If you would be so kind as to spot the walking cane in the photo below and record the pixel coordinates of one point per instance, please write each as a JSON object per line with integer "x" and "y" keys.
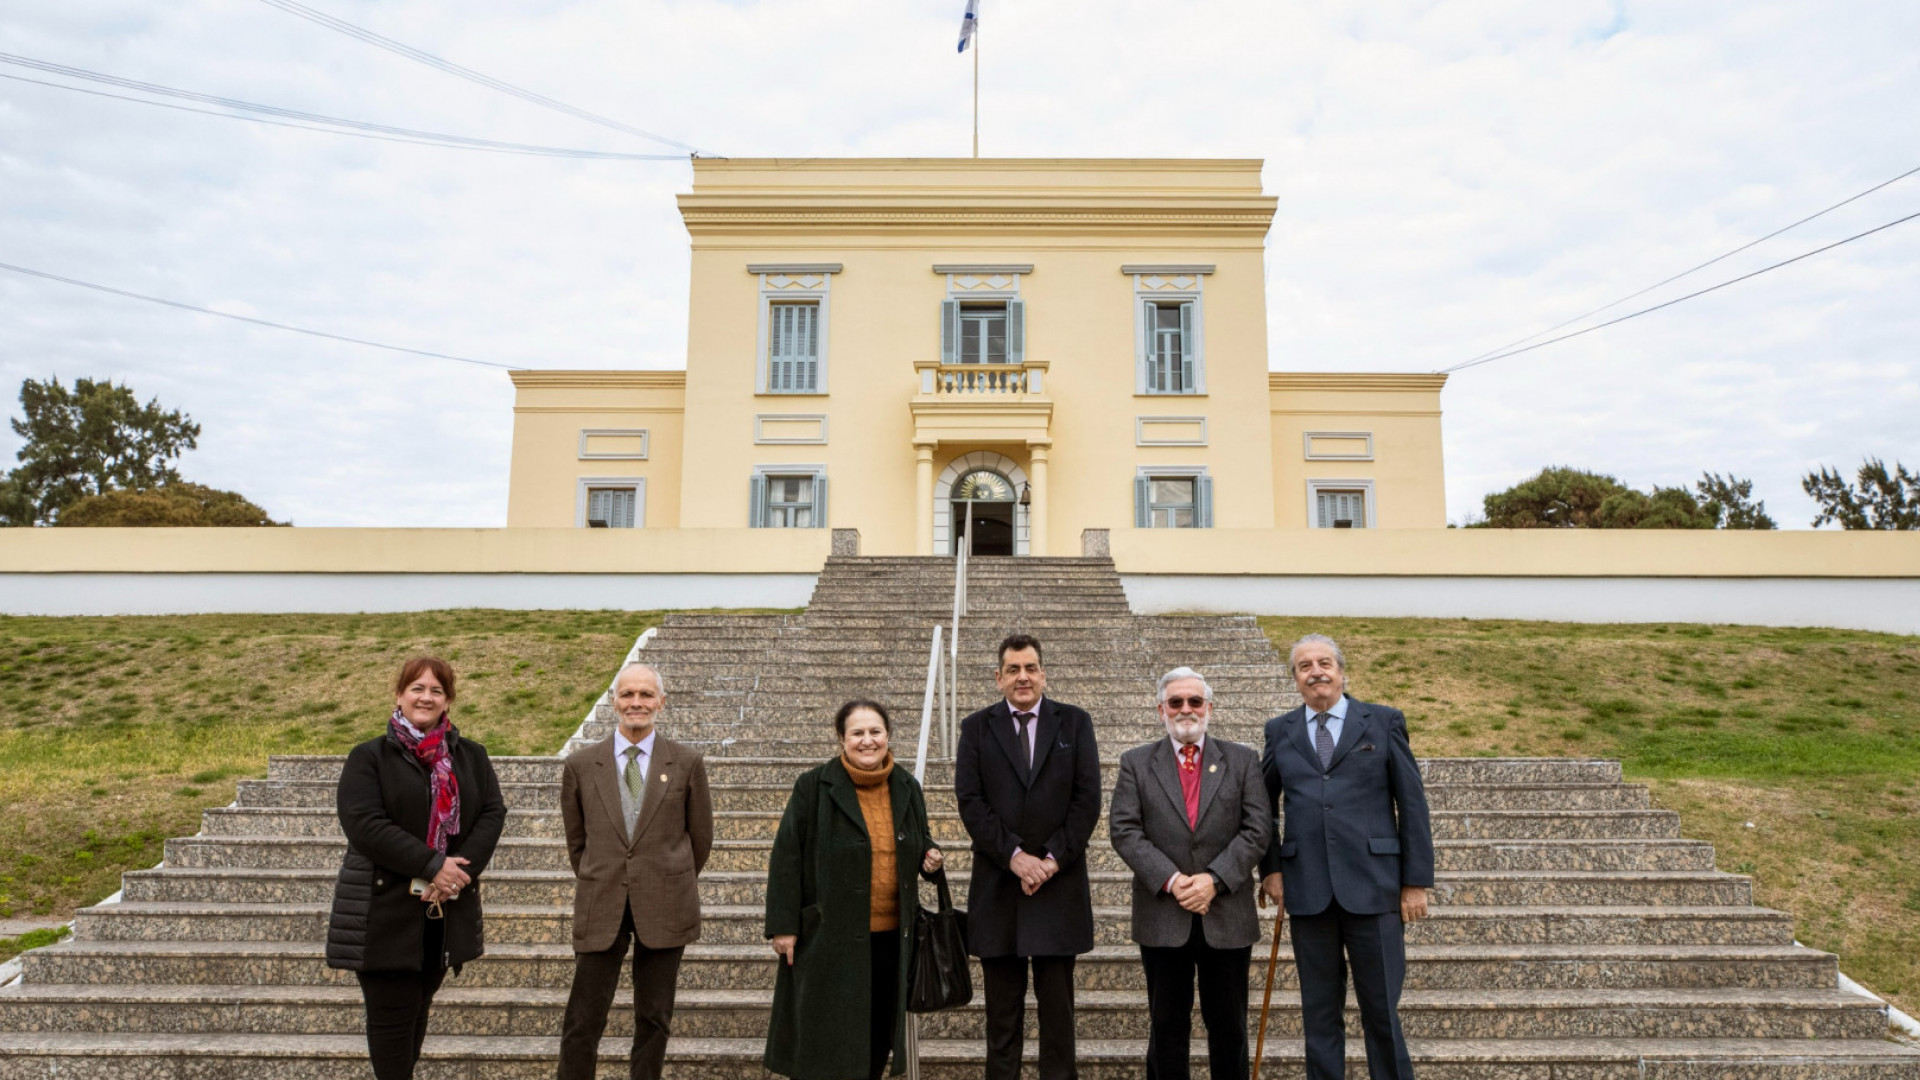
{"x": 1273, "y": 957}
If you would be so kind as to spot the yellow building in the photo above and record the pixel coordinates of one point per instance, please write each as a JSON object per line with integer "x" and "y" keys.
{"x": 1061, "y": 345}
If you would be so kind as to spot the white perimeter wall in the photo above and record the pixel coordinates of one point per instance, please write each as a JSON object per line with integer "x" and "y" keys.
{"x": 1889, "y": 605}
{"x": 191, "y": 593}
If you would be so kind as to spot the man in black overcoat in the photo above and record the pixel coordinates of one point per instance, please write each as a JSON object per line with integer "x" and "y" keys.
{"x": 1353, "y": 859}
{"x": 1027, "y": 778}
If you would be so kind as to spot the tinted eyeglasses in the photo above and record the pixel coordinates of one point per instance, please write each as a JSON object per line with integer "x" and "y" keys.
{"x": 1178, "y": 703}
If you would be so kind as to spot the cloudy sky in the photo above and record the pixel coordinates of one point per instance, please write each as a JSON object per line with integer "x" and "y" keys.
{"x": 1452, "y": 176}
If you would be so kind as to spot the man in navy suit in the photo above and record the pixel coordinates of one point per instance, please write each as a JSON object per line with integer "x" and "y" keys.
{"x": 1352, "y": 860}
{"x": 1026, "y": 776}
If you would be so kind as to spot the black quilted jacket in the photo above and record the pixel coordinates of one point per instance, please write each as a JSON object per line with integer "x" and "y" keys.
{"x": 384, "y": 801}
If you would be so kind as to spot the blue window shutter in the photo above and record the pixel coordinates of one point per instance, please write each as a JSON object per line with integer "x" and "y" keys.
{"x": 820, "y": 502}
{"x": 1016, "y": 331}
{"x": 1143, "y": 347}
{"x": 949, "y": 331}
{"x": 1142, "y": 496}
{"x": 1187, "y": 371}
{"x": 1203, "y": 498}
{"x": 757, "y": 502}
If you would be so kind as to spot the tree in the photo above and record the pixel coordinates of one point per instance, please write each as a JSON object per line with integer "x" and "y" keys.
{"x": 1730, "y": 500}
{"x": 176, "y": 504}
{"x": 1878, "y": 500}
{"x": 1558, "y": 498}
{"x": 1665, "y": 508}
{"x": 92, "y": 439}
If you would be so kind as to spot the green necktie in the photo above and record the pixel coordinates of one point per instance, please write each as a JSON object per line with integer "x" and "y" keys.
{"x": 634, "y": 777}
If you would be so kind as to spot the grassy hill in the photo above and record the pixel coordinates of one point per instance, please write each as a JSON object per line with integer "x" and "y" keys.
{"x": 1795, "y": 752}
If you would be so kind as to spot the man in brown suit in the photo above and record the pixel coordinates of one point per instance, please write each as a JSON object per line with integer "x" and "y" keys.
{"x": 639, "y": 827}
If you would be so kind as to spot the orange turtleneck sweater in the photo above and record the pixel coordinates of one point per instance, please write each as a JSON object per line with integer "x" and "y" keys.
{"x": 876, "y": 805}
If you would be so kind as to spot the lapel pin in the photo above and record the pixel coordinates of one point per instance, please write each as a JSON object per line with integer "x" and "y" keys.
{"x": 1213, "y": 768}
{"x": 663, "y": 778}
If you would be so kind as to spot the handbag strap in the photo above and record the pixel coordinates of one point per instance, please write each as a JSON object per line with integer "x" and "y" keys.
{"x": 940, "y": 883}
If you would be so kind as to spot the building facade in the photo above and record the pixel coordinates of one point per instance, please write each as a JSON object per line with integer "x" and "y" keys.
{"x": 1023, "y": 349}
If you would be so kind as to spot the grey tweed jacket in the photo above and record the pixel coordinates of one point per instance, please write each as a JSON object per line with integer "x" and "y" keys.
{"x": 1148, "y": 825}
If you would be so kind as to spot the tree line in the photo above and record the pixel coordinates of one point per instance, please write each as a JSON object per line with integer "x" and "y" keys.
{"x": 94, "y": 455}
{"x": 1566, "y": 498}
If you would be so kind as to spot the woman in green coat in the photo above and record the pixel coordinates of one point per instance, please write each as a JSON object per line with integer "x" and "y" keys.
{"x": 841, "y": 894}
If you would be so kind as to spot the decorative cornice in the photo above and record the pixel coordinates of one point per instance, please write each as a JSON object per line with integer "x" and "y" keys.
{"x": 1167, "y": 268}
{"x": 983, "y": 268}
{"x": 600, "y": 380}
{"x": 794, "y": 268}
{"x": 1354, "y": 380}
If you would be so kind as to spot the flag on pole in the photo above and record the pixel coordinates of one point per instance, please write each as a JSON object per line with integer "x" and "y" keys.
{"x": 968, "y": 23}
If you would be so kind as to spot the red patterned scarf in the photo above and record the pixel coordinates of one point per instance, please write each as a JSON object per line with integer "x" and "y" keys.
{"x": 432, "y": 751}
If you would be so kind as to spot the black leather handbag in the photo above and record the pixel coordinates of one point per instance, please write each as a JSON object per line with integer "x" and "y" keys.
{"x": 939, "y": 978}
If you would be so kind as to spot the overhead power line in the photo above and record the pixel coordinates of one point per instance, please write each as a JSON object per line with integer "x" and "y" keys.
{"x": 1711, "y": 288}
{"x": 293, "y": 8}
{"x": 302, "y": 121}
{"x": 1684, "y": 273}
{"x": 30, "y": 272}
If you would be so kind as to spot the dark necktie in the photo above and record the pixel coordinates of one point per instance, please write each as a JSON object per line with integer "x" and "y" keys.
{"x": 1323, "y": 742}
{"x": 1020, "y": 722}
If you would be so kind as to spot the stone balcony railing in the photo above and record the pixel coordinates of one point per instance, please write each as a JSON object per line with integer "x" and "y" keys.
{"x": 982, "y": 380}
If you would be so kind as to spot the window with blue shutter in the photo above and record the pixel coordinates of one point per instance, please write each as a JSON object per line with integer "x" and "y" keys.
{"x": 1142, "y": 500}
{"x": 1169, "y": 348}
{"x": 610, "y": 507}
{"x": 1016, "y": 332}
{"x": 793, "y": 348}
{"x": 793, "y": 501}
{"x": 1334, "y": 509}
{"x": 949, "y": 331}
{"x": 757, "y": 502}
{"x": 1204, "y": 495}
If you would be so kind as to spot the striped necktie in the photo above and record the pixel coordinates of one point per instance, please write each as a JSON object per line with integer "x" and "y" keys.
{"x": 634, "y": 777}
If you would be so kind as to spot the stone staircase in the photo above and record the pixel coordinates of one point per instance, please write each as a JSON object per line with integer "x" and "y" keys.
{"x": 1576, "y": 935}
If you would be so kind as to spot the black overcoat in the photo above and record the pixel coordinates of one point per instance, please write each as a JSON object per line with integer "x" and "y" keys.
{"x": 819, "y": 888}
{"x": 1052, "y": 813}
{"x": 384, "y": 800}
{"x": 1356, "y": 831}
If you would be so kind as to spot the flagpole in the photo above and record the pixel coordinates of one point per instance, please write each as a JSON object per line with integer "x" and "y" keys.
{"x": 976, "y": 87}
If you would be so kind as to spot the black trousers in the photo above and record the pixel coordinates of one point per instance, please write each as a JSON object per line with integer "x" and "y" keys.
{"x": 1222, "y": 975}
{"x": 886, "y": 998}
{"x": 397, "y": 1007}
{"x": 1375, "y": 945}
{"x": 1006, "y": 979}
{"x": 596, "y": 976}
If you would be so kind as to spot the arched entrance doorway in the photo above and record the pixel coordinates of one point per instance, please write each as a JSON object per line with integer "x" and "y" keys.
{"x": 993, "y": 482}
{"x": 983, "y": 505}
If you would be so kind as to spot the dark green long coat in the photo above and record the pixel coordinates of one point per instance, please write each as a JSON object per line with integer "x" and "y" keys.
{"x": 818, "y": 888}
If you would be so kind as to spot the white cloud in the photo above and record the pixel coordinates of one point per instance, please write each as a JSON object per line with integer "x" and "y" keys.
{"x": 1451, "y": 176}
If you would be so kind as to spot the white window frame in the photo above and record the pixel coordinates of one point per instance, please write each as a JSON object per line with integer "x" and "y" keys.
{"x": 1143, "y": 334}
{"x": 637, "y": 483}
{"x": 646, "y": 441}
{"x": 776, "y": 287}
{"x": 822, "y": 509}
{"x": 1203, "y": 506}
{"x": 1307, "y": 445}
{"x": 1365, "y": 487}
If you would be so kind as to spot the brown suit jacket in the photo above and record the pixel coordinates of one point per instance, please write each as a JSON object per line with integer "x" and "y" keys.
{"x": 655, "y": 872}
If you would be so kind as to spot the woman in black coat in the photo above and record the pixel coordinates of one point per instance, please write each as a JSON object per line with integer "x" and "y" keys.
{"x": 841, "y": 893}
{"x": 422, "y": 811}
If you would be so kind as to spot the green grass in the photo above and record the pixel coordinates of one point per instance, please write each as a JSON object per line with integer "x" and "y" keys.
{"x": 116, "y": 732}
{"x": 32, "y": 939}
{"x": 1795, "y": 752}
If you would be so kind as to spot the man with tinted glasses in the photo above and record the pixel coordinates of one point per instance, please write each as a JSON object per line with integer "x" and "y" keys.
{"x": 1191, "y": 818}
{"x": 1353, "y": 861}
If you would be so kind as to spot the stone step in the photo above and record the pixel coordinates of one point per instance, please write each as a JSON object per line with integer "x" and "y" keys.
{"x": 247, "y": 853}
{"x": 740, "y": 919}
{"x": 744, "y": 825}
{"x": 1433, "y": 770}
{"x": 312, "y": 794}
{"x": 1114, "y": 967}
{"x": 338, "y": 1057}
{"x": 1098, "y": 1014}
